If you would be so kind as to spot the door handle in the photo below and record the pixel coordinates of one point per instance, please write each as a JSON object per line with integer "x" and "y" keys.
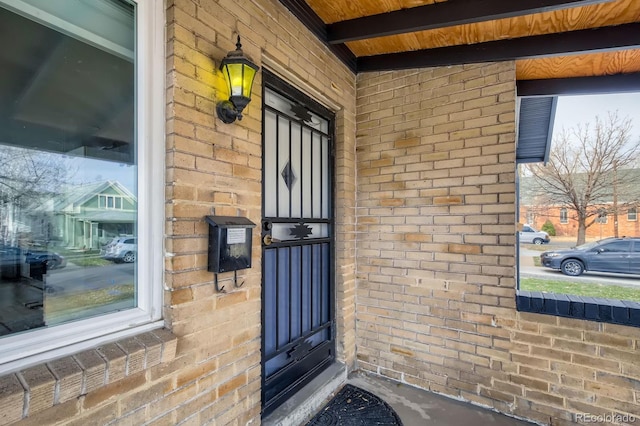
{"x": 268, "y": 239}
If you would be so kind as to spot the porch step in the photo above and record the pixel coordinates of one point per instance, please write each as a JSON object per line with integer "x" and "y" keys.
{"x": 309, "y": 399}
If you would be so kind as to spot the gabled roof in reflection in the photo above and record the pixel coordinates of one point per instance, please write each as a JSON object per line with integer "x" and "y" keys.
{"x": 78, "y": 195}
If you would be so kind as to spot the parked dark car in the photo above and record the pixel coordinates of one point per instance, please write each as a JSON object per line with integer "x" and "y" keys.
{"x": 46, "y": 258}
{"x": 10, "y": 260}
{"x": 39, "y": 261}
{"x": 618, "y": 255}
{"x": 10, "y": 256}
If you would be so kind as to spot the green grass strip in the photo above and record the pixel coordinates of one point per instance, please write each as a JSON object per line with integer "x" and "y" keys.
{"x": 591, "y": 289}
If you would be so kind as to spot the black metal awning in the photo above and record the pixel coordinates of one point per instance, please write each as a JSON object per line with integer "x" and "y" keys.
{"x": 535, "y": 128}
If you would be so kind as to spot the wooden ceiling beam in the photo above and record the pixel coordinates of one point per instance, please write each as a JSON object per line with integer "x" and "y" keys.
{"x": 439, "y": 15}
{"x": 625, "y": 36}
{"x": 619, "y": 83}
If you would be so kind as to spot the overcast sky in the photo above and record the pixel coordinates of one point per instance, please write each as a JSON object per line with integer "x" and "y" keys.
{"x": 573, "y": 110}
{"x": 87, "y": 170}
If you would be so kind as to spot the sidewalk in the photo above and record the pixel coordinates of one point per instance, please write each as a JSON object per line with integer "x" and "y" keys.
{"x": 526, "y": 257}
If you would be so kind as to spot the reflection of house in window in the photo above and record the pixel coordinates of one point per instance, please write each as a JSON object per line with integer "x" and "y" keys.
{"x": 564, "y": 216}
{"x": 88, "y": 216}
{"x": 632, "y": 215}
{"x": 110, "y": 202}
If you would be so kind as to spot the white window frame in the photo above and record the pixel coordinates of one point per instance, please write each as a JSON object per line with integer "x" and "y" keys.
{"x": 40, "y": 345}
{"x": 632, "y": 214}
{"x": 564, "y": 215}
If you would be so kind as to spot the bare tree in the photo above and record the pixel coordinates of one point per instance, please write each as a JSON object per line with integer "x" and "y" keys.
{"x": 28, "y": 178}
{"x": 589, "y": 168}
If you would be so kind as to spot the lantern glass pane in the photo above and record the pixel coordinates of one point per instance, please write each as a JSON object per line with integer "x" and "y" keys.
{"x": 235, "y": 79}
{"x": 249, "y": 74}
{"x": 227, "y": 77}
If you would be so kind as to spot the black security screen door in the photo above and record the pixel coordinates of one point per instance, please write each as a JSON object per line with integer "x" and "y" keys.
{"x": 297, "y": 248}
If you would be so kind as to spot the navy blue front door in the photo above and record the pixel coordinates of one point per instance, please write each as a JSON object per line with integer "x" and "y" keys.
{"x": 297, "y": 234}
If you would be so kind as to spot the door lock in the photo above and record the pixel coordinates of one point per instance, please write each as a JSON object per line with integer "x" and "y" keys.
{"x": 268, "y": 239}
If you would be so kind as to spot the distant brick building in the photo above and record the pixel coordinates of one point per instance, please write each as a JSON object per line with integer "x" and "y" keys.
{"x": 535, "y": 208}
{"x": 565, "y": 223}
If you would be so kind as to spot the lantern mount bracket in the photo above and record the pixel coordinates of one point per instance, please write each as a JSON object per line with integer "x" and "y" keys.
{"x": 227, "y": 112}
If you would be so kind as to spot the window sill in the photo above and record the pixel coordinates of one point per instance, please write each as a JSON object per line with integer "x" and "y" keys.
{"x": 612, "y": 311}
{"x": 43, "y": 386}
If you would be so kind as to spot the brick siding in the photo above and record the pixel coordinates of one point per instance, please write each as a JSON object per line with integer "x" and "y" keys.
{"x": 216, "y": 168}
{"x": 436, "y": 253}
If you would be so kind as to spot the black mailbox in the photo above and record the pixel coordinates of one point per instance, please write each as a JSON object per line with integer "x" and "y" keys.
{"x": 229, "y": 243}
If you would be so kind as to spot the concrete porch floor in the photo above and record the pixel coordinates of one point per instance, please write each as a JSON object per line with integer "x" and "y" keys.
{"x": 414, "y": 406}
{"x": 417, "y": 407}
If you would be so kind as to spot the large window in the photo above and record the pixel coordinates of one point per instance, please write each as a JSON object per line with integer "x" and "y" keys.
{"x": 589, "y": 266}
{"x": 71, "y": 144}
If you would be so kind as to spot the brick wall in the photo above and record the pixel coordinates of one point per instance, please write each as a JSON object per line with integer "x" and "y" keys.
{"x": 436, "y": 252}
{"x": 215, "y": 168}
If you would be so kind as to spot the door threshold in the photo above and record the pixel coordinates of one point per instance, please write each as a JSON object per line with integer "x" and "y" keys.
{"x": 309, "y": 399}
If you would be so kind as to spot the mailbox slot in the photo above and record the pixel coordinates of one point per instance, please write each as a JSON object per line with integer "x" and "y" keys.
{"x": 229, "y": 243}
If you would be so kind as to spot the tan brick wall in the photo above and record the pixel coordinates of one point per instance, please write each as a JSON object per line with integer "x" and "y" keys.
{"x": 436, "y": 252}
{"x": 213, "y": 168}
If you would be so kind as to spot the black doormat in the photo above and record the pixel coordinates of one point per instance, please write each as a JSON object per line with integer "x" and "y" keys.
{"x": 353, "y": 406}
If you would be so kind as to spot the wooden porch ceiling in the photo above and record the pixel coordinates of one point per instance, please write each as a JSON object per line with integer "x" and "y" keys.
{"x": 548, "y": 39}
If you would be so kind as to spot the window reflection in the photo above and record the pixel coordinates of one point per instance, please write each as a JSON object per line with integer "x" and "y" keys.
{"x": 68, "y": 203}
{"x": 586, "y": 192}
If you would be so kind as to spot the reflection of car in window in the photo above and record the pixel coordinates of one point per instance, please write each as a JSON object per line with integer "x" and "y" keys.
{"x": 123, "y": 249}
{"x": 39, "y": 261}
{"x": 531, "y": 236}
{"x": 10, "y": 260}
{"x": 48, "y": 259}
{"x": 11, "y": 256}
{"x": 618, "y": 255}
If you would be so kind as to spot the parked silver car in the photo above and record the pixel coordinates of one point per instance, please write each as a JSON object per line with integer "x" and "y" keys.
{"x": 529, "y": 235}
{"x": 123, "y": 249}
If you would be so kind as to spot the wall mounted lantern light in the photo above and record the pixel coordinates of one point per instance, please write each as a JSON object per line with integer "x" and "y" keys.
{"x": 239, "y": 72}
